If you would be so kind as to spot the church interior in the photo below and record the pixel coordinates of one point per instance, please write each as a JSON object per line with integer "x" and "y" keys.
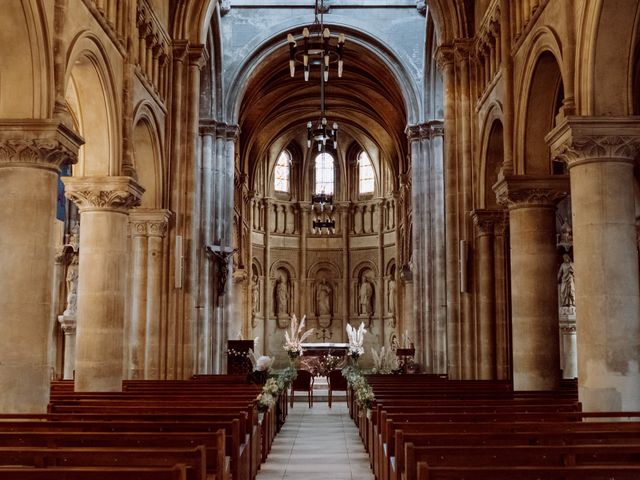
{"x": 186, "y": 180}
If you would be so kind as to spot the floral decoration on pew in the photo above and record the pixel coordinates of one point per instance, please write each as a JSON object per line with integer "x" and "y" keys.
{"x": 274, "y": 387}
{"x": 356, "y": 340}
{"x": 293, "y": 342}
{"x": 363, "y": 393}
{"x": 385, "y": 361}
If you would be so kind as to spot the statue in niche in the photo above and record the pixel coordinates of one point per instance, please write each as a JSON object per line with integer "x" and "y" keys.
{"x": 73, "y": 237}
{"x": 281, "y": 297}
{"x": 365, "y": 297}
{"x": 323, "y": 298}
{"x": 255, "y": 295}
{"x": 72, "y": 287}
{"x": 391, "y": 301}
{"x": 566, "y": 279}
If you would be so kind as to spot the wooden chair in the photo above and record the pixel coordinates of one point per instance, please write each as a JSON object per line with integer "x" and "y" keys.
{"x": 337, "y": 383}
{"x": 303, "y": 382}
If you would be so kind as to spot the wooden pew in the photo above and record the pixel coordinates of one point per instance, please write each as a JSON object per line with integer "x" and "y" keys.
{"x": 177, "y": 472}
{"x": 591, "y": 472}
{"x": 506, "y": 456}
{"x": 193, "y": 458}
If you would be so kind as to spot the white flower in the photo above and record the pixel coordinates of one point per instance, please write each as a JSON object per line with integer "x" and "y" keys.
{"x": 356, "y": 339}
{"x": 293, "y": 342}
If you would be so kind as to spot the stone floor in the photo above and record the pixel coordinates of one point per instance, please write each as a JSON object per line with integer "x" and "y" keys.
{"x": 318, "y": 443}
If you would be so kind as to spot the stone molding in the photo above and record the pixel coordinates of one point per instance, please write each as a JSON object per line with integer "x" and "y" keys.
{"x": 219, "y": 129}
{"x": 521, "y": 191}
{"x": 488, "y": 220}
{"x": 68, "y": 324}
{"x": 117, "y": 194}
{"x": 149, "y": 222}
{"x": 425, "y": 131}
{"x": 577, "y": 140}
{"x": 43, "y": 144}
{"x": 444, "y": 57}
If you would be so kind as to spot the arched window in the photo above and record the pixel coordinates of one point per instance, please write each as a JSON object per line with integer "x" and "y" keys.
{"x": 366, "y": 177}
{"x": 282, "y": 174}
{"x": 325, "y": 174}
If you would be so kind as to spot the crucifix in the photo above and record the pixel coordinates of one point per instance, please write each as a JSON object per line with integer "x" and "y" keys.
{"x": 323, "y": 334}
{"x": 222, "y": 255}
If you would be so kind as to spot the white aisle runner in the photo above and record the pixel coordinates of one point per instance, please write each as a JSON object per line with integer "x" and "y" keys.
{"x": 318, "y": 443}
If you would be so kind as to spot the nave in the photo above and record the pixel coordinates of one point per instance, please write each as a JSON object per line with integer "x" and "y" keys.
{"x": 317, "y": 443}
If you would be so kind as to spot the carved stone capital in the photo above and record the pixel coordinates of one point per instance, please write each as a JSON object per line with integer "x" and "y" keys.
{"x": 418, "y": 131}
{"x": 462, "y": 49}
{"x": 488, "y": 220}
{"x": 118, "y": 194}
{"x": 149, "y": 222}
{"x": 577, "y": 140}
{"x": 517, "y": 191}
{"x": 444, "y": 57}
{"x": 228, "y": 132}
{"x": 68, "y": 324}
{"x": 421, "y": 6}
{"x": 38, "y": 144}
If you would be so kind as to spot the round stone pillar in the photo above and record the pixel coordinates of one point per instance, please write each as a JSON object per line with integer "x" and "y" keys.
{"x": 68, "y": 325}
{"x": 486, "y": 300}
{"x": 104, "y": 203}
{"x": 31, "y": 153}
{"x": 601, "y": 152}
{"x": 534, "y": 295}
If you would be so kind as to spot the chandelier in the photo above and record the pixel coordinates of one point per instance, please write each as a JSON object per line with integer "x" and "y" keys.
{"x": 317, "y": 49}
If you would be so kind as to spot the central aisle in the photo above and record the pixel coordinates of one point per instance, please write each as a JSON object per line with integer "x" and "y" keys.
{"x": 317, "y": 443}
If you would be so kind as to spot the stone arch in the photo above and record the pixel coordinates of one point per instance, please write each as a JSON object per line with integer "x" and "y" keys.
{"x": 491, "y": 157}
{"x": 91, "y": 98}
{"x": 272, "y": 46}
{"x": 538, "y": 102}
{"x": 147, "y": 155}
{"x": 256, "y": 266}
{"x": 25, "y": 49}
{"x": 605, "y": 49}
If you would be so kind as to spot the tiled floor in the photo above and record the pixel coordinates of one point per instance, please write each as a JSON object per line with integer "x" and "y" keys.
{"x": 318, "y": 443}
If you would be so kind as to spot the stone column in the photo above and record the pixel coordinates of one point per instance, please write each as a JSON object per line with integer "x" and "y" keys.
{"x": 68, "y": 325}
{"x": 428, "y": 255}
{"x": 601, "y": 152}
{"x": 445, "y": 62}
{"x": 534, "y": 295}
{"x": 486, "y": 292}
{"x": 104, "y": 203}
{"x": 148, "y": 229}
{"x": 31, "y": 153}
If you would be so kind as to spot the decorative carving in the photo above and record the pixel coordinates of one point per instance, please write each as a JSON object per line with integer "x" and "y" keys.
{"x": 444, "y": 57}
{"x": 487, "y": 220}
{"x": 67, "y": 324}
{"x": 599, "y": 147}
{"x": 587, "y": 139}
{"x": 365, "y": 297}
{"x": 37, "y": 144}
{"x": 421, "y": 6}
{"x": 516, "y": 191}
{"x": 108, "y": 193}
{"x": 566, "y": 277}
{"x": 72, "y": 287}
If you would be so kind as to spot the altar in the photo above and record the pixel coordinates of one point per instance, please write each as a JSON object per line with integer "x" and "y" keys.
{"x": 324, "y": 349}
{"x": 314, "y": 357}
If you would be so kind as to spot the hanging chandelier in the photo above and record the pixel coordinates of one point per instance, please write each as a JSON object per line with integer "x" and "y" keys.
{"x": 318, "y": 50}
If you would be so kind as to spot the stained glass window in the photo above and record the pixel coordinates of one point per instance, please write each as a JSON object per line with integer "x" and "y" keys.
{"x": 366, "y": 176}
{"x": 282, "y": 174}
{"x": 325, "y": 174}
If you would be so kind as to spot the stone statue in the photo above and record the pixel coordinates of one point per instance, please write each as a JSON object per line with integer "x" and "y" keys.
{"x": 255, "y": 294}
{"x": 567, "y": 284}
{"x": 365, "y": 297}
{"x": 323, "y": 298}
{"x": 391, "y": 301}
{"x": 281, "y": 297}
{"x": 72, "y": 287}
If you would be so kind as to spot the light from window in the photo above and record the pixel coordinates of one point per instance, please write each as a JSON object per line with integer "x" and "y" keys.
{"x": 324, "y": 173}
{"x": 282, "y": 174}
{"x": 366, "y": 176}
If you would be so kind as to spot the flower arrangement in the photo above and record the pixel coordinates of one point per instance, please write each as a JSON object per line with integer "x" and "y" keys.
{"x": 363, "y": 393}
{"x": 385, "y": 361}
{"x": 330, "y": 362}
{"x": 293, "y": 342}
{"x": 273, "y": 387}
{"x": 356, "y": 340}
